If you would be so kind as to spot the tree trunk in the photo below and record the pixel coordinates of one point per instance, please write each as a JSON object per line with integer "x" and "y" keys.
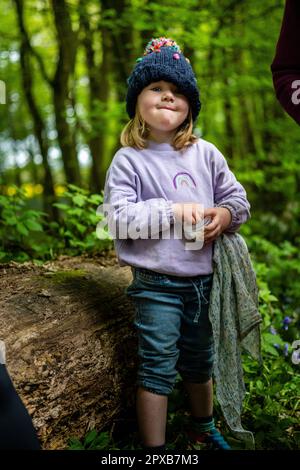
{"x": 71, "y": 344}
{"x": 40, "y": 131}
{"x": 123, "y": 60}
{"x": 229, "y": 147}
{"x": 67, "y": 46}
{"x": 98, "y": 94}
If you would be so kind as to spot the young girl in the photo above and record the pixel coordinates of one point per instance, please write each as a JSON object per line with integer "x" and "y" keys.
{"x": 166, "y": 172}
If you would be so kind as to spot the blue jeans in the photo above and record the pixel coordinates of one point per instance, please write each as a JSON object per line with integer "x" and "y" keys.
{"x": 174, "y": 331}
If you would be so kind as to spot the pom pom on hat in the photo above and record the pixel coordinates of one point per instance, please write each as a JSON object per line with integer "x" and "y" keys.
{"x": 154, "y": 45}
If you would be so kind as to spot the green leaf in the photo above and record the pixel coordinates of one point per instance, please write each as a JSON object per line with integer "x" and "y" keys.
{"x": 33, "y": 225}
{"x": 91, "y": 435}
{"x": 79, "y": 200}
{"x": 76, "y": 189}
{"x": 62, "y": 206}
{"x": 81, "y": 228}
{"x": 75, "y": 444}
{"x": 22, "y": 229}
{"x": 102, "y": 441}
{"x": 95, "y": 199}
{"x": 270, "y": 349}
{"x": 273, "y": 339}
{"x": 11, "y": 221}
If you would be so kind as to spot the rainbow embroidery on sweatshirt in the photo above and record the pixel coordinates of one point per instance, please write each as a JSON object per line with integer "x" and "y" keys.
{"x": 183, "y": 179}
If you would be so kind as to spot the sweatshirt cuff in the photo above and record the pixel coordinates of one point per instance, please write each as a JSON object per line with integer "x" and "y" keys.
{"x": 235, "y": 223}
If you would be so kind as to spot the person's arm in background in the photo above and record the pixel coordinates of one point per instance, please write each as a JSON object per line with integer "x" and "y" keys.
{"x": 286, "y": 63}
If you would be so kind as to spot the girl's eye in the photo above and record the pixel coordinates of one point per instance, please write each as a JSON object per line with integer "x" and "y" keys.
{"x": 159, "y": 88}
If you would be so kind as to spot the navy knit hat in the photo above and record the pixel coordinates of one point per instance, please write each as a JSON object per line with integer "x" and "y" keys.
{"x": 163, "y": 60}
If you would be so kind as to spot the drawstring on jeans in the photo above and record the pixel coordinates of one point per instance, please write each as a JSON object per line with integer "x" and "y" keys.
{"x": 199, "y": 295}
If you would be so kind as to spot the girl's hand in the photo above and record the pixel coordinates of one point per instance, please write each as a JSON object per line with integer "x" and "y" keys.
{"x": 189, "y": 212}
{"x": 221, "y": 219}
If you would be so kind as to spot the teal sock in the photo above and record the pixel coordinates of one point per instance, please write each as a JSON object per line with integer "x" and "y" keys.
{"x": 203, "y": 424}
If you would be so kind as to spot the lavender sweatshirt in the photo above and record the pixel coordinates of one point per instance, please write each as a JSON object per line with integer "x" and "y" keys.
{"x": 153, "y": 179}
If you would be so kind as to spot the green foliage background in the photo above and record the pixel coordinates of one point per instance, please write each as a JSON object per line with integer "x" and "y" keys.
{"x": 230, "y": 44}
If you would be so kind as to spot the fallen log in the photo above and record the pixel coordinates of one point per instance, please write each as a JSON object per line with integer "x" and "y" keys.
{"x": 70, "y": 341}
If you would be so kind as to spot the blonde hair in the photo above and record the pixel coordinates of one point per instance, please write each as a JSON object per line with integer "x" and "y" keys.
{"x": 135, "y": 133}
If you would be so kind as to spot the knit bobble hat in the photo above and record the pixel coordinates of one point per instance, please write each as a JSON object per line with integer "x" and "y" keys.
{"x": 163, "y": 60}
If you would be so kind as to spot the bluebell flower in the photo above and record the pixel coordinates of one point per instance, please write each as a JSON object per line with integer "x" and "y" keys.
{"x": 272, "y": 330}
{"x": 286, "y": 350}
{"x": 276, "y": 345}
{"x": 286, "y": 321}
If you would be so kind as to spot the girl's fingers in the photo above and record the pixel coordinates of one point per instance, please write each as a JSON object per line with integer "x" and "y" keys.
{"x": 212, "y": 226}
{"x": 210, "y": 212}
{"x": 212, "y": 236}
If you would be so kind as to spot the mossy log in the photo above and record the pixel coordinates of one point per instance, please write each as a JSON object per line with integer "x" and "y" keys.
{"x": 70, "y": 343}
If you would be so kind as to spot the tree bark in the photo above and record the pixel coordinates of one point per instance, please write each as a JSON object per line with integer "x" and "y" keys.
{"x": 67, "y": 47}
{"x": 71, "y": 344}
{"x": 229, "y": 147}
{"x": 98, "y": 74}
{"x": 40, "y": 130}
{"x": 123, "y": 58}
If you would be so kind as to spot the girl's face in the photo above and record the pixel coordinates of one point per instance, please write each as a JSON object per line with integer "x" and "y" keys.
{"x": 163, "y": 108}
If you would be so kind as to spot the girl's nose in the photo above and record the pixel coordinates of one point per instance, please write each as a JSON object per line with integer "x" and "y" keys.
{"x": 168, "y": 95}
